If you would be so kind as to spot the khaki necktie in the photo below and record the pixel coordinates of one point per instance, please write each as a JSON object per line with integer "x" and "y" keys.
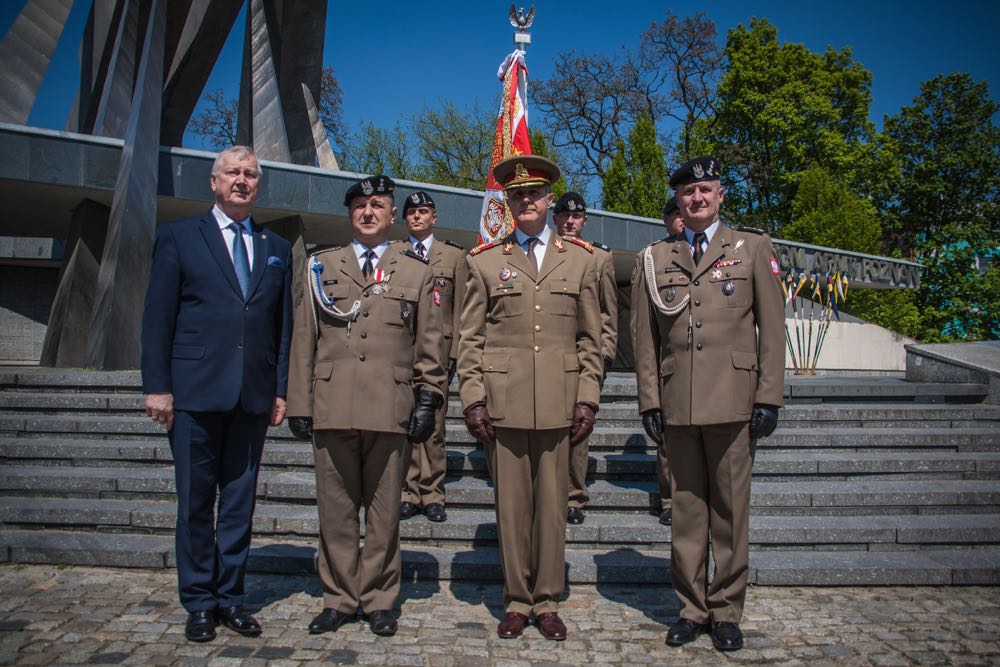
{"x": 699, "y": 238}
{"x": 532, "y": 260}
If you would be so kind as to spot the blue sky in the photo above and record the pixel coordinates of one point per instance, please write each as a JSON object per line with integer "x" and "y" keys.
{"x": 394, "y": 58}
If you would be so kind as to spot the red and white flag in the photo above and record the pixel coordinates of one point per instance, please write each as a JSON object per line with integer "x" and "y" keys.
{"x": 511, "y": 139}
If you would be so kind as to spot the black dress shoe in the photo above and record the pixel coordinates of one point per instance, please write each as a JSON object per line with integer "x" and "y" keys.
{"x": 200, "y": 626}
{"x": 408, "y": 510}
{"x": 575, "y": 516}
{"x": 382, "y": 623}
{"x": 238, "y": 620}
{"x": 727, "y": 636}
{"x": 685, "y": 631}
{"x": 435, "y": 512}
{"x": 665, "y": 517}
{"x": 328, "y": 620}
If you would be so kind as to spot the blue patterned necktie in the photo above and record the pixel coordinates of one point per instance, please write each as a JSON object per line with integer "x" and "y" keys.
{"x": 240, "y": 260}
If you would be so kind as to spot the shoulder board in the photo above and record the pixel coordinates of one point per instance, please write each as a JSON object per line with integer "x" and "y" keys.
{"x": 601, "y": 246}
{"x": 752, "y": 230}
{"x": 453, "y": 244}
{"x": 484, "y": 246}
{"x": 586, "y": 245}
{"x": 321, "y": 249}
{"x": 410, "y": 253}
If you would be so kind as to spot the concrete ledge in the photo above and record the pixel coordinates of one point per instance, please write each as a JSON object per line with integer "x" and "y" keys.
{"x": 977, "y": 362}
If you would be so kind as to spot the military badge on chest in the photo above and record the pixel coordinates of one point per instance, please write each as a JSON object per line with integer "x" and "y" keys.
{"x": 670, "y": 294}
{"x": 728, "y": 287}
{"x": 506, "y": 274}
{"x": 381, "y": 281}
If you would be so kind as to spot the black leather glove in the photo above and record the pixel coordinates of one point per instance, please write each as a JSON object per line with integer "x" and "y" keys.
{"x": 301, "y": 427}
{"x": 452, "y": 367}
{"x": 763, "y": 420}
{"x": 422, "y": 417}
{"x": 478, "y": 421}
{"x": 652, "y": 421}
{"x": 584, "y": 416}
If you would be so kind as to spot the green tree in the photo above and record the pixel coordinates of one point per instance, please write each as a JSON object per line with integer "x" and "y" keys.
{"x": 539, "y": 146}
{"x": 947, "y": 212}
{"x": 453, "y": 146}
{"x": 376, "y": 150}
{"x": 636, "y": 178}
{"x": 781, "y": 109}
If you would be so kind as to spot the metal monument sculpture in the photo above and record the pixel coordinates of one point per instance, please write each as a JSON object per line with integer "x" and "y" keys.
{"x": 144, "y": 65}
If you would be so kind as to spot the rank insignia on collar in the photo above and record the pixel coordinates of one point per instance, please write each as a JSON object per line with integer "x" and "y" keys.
{"x": 728, "y": 287}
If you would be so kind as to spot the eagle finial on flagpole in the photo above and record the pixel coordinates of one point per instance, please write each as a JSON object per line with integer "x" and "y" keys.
{"x": 522, "y": 22}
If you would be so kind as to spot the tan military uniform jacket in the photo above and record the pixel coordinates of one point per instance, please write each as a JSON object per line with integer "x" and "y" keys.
{"x": 530, "y": 346}
{"x": 608, "y": 292}
{"x": 363, "y": 377}
{"x": 450, "y": 272}
{"x": 724, "y": 351}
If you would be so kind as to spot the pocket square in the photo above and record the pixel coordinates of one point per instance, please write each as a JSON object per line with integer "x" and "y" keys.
{"x": 274, "y": 261}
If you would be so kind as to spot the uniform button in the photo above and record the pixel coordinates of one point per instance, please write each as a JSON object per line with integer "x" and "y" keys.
{"x": 537, "y": 348}
{"x": 537, "y": 308}
{"x": 695, "y": 284}
{"x": 364, "y": 334}
{"x": 361, "y": 357}
{"x": 538, "y": 327}
{"x": 696, "y": 324}
{"x": 538, "y": 288}
{"x": 697, "y": 302}
{"x": 365, "y": 313}
{"x": 698, "y": 346}
{"x": 728, "y": 274}
{"x": 366, "y": 293}
{"x": 239, "y": 346}
{"x": 245, "y": 307}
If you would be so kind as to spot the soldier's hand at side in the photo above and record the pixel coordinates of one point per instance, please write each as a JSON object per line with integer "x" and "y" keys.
{"x": 584, "y": 416}
{"x": 278, "y": 411}
{"x": 763, "y": 420}
{"x": 301, "y": 427}
{"x": 422, "y": 418}
{"x": 478, "y": 421}
{"x": 161, "y": 408}
{"x": 452, "y": 367}
{"x": 652, "y": 421}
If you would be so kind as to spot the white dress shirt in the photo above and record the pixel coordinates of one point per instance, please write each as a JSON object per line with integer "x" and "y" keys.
{"x": 543, "y": 241}
{"x": 360, "y": 249}
{"x": 709, "y": 233}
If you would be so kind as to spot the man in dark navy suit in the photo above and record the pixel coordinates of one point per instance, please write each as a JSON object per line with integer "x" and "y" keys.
{"x": 216, "y": 330}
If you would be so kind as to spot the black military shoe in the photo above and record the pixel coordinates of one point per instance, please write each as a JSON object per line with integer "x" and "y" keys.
{"x": 328, "y": 620}
{"x": 408, "y": 510}
{"x": 238, "y": 620}
{"x": 727, "y": 636}
{"x": 382, "y": 623}
{"x": 685, "y": 631}
{"x": 665, "y": 517}
{"x": 575, "y": 516}
{"x": 200, "y": 626}
{"x": 435, "y": 512}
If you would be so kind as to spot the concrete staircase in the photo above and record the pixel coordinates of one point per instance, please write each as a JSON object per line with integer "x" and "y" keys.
{"x": 866, "y": 481}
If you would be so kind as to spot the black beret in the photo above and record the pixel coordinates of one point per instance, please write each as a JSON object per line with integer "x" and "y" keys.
{"x": 704, "y": 168}
{"x": 417, "y": 199}
{"x": 366, "y": 187}
{"x": 670, "y": 206}
{"x": 570, "y": 202}
{"x": 520, "y": 170}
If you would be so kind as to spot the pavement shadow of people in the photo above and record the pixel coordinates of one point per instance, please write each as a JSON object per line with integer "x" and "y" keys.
{"x": 263, "y": 588}
{"x": 629, "y": 469}
{"x": 476, "y": 577}
{"x": 648, "y": 588}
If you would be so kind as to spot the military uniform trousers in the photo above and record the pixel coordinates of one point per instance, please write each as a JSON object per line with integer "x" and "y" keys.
{"x": 710, "y": 471}
{"x": 356, "y": 469}
{"x": 428, "y": 464}
{"x": 579, "y": 457}
{"x": 663, "y": 474}
{"x": 530, "y": 485}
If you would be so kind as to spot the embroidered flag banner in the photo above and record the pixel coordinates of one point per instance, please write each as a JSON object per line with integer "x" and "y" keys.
{"x": 511, "y": 139}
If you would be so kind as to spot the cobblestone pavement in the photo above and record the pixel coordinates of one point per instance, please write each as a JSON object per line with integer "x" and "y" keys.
{"x": 73, "y": 615}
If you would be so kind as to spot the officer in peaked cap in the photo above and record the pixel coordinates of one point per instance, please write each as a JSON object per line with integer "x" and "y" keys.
{"x": 710, "y": 367}
{"x": 529, "y": 364}
{"x": 570, "y": 216}
{"x": 423, "y": 488}
{"x": 366, "y": 375}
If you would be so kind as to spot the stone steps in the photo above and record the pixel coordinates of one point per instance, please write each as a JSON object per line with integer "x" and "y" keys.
{"x": 478, "y": 526}
{"x": 583, "y": 566}
{"x": 862, "y": 497}
{"x": 628, "y": 462}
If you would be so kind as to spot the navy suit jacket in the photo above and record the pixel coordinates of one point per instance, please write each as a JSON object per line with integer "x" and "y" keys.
{"x": 201, "y": 340}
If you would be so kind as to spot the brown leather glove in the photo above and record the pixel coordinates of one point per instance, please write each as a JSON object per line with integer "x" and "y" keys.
{"x": 478, "y": 421}
{"x": 584, "y": 416}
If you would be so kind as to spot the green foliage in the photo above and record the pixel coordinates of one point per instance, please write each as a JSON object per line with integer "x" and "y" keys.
{"x": 636, "y": 177}
{"x": 895, "y": 310}
{"x": 826, "y": 213}
{"x": 947, "y": 211}
{"x": 781, "y": 109}
{"x": 453, "y": 146}
{"x": 376, "y": 150}
{"x": 539, "y": 146}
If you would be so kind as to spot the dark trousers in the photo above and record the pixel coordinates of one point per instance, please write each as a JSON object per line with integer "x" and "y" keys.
{"x": 215, "y": 453}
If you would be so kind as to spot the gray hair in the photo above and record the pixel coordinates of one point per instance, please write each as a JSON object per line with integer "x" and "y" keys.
{"x": 240, "y": 153}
